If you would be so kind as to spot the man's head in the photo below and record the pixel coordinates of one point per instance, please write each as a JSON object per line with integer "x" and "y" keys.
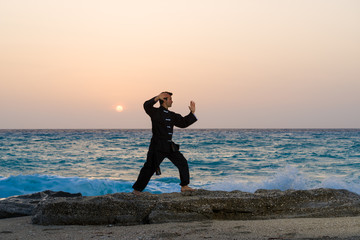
{"x": 167, "y": 102}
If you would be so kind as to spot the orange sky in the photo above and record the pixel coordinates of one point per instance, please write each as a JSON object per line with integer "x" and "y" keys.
{"x": 247, "y": 64}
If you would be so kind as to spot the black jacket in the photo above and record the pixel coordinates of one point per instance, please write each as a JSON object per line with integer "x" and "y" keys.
{"x": 163, "y": 122}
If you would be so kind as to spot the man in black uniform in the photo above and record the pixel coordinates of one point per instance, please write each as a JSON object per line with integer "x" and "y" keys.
{"x": 161, "y": 145}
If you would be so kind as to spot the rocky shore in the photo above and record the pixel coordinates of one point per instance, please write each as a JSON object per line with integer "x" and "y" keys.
{"x": 60, "y": 208}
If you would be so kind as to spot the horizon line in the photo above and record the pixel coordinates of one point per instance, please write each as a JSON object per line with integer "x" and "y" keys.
{"x": 211, "y": 128}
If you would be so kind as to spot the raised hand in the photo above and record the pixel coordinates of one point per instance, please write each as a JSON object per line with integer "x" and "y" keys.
{"x": 192, "y": 106}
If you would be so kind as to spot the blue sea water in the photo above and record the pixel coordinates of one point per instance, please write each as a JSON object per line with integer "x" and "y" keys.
{"x": 96, "y": 162}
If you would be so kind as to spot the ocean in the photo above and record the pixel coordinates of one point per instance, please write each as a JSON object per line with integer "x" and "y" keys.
{"x": 97, "y": 162}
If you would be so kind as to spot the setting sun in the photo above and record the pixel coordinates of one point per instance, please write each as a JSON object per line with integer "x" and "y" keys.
{"x": 119, "y": 108}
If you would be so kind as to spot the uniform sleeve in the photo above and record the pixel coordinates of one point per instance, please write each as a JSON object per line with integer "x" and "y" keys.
{"x": 184, "y": 122}
{"x": 149, "y": 106}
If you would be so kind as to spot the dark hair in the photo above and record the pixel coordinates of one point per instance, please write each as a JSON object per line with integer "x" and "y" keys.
{"x": 161, "y": 101}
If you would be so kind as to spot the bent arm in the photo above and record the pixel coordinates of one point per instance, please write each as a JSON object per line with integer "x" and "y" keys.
{"x": 184, "y": 122}
{"x": 149, "y": 105}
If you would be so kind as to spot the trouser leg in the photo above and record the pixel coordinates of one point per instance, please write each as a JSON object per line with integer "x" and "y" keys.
{"x": 152, "y": 162}
{"x": 181, "y": 163}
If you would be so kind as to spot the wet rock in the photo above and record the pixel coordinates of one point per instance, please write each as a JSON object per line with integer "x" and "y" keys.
{"x": 25, "y": 205}
{"x": 128, "y": 209}
{"x": 119, "y": 208}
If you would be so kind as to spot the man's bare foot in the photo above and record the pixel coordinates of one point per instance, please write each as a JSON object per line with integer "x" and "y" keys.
{"x": 136, "y": 192}
{"x": 187, "y": 189}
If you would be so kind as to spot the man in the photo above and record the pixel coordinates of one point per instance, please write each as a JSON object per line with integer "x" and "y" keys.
{"x": 161, "y": 145}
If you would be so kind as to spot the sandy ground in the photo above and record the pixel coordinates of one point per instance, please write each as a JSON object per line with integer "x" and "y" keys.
{"x": 300, "y": 228}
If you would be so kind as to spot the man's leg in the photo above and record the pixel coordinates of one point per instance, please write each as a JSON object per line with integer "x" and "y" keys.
{"x": 181, "y": 163}
{"x": 152, "y": 162}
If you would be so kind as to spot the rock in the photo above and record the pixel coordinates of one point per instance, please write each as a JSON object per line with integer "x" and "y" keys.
{"x": 119, "y": 208}
{"x": 54, "y": 208}
{"x": 128, "y": 209}
{"x": 25, "y": 205}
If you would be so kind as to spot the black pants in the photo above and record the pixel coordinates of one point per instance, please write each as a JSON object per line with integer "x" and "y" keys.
{"x": 154, "y": 159}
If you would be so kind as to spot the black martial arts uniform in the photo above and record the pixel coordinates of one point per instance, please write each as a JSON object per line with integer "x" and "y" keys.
{"x": 162, "y": 146}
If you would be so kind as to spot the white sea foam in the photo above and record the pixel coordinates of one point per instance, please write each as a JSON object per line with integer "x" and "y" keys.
{"x": 352, "y": 185}
{"x": 287, "y": 178}
{"x": 25, "y": 184}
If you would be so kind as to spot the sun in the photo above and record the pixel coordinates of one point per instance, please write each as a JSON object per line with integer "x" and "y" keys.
{"x": 119, "y": 108}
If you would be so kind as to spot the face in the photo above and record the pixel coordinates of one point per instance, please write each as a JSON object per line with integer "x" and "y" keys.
{"x": 168, "y": 101}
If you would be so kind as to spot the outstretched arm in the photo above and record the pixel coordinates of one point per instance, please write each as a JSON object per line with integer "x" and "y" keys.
{"x": 183, "y": 122}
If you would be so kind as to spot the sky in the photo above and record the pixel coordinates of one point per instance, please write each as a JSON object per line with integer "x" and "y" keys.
{"x": 245, "y": 63}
